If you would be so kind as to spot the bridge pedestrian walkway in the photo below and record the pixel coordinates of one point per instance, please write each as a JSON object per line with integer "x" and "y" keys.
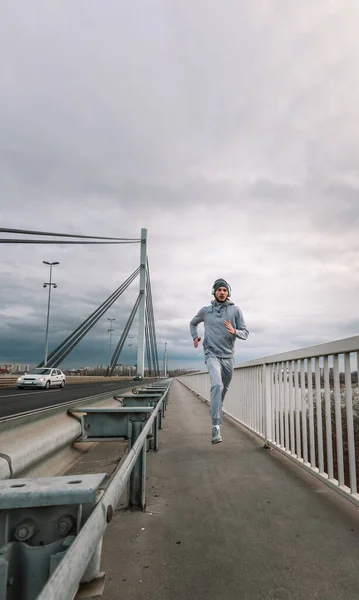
{"x": 229, "y": 521}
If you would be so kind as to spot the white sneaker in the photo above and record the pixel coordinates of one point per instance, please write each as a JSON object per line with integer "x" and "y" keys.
{"x": 216, "y": 434}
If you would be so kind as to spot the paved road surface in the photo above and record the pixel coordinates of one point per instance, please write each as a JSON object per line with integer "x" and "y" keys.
{"x": 13, "y": 401}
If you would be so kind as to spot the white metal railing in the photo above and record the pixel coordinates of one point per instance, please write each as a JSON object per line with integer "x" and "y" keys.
{"x": 305, "y": 403}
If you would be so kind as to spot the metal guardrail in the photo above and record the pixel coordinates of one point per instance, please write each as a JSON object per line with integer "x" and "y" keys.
{"x": 43, "y": 432}
{"x": 79, "y": 507}
{"x": 304, "y": 403}
{"x": 53, "y": 409}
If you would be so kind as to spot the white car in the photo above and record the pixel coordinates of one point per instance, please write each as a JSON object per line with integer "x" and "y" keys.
{"x": 42, "y": 378}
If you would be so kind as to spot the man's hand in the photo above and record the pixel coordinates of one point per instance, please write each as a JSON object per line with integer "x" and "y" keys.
{"x": 196, "y": 341}
{"x": 229, "y": 327}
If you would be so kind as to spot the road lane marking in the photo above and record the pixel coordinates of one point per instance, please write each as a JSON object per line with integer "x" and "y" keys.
{"x": 25, "y": 394}
{"x": 15, "y": 395}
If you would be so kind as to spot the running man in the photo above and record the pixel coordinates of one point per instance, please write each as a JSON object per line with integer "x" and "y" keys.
{"x": 223, "y": 323}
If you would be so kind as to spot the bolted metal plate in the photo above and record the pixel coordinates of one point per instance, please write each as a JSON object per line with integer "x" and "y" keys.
{"x": 49, "y": 491}
{"x": 108, "y": 423}
{"x": 140, "y": 402}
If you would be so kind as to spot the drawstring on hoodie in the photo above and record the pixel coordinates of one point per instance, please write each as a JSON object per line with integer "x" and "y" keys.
{"x": 217, "y": 307}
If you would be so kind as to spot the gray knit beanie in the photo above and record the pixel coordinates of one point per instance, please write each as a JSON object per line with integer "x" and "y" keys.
{"x": 221, "y": 283}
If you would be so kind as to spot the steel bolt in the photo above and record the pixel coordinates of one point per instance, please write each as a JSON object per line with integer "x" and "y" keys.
{"x": 24, "y": 531}
{"x": 64, "y": 525}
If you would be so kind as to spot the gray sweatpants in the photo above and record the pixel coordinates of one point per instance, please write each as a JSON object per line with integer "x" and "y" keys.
{"x": 220, "y": 372}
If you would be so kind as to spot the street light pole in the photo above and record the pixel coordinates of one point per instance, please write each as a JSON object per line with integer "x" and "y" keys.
{"x": 49, "y": 285}
{"x": 110, "y": 330}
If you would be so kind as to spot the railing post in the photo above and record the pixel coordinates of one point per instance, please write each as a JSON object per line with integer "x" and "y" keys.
{"x": 142, "y": 306}
{"x": 93, "y": 573}
{"x": 154, "y": 442}
{"x": 267, "y": 404}
{"x": 137, "y": 492}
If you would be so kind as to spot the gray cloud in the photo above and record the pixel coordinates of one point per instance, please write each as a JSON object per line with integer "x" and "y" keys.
{"x": 230, "y": 132}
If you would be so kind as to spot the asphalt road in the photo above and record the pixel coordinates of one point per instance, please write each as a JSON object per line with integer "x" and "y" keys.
{"x": 14, "y": 401}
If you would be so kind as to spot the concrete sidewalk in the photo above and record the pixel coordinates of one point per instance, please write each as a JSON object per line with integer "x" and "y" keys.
{"x": 230, "y": 521}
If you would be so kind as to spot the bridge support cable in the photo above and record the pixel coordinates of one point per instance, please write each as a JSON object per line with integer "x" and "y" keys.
{"x": 153, "y": 343}
{"x": 144, "y": 305}
{"x": 81, "y": 331}
{"x": 123, "y": 337}
{"x": 94, "y": 321}
{"x": 154, "y": 333}
{"x": 57, "y": 242}
{"x": 152, "y": 323}
{"x": 150, "y": 337}
{"x": 63, "y": 349}
{"x": 109, "y": 240}
{"x": 148, "y": 349}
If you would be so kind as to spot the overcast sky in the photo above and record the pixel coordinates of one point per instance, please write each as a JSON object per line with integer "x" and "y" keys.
{"x": 230, "y": 130}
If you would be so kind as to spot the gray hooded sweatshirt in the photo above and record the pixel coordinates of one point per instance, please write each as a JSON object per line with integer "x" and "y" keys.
{"x": 217, "y": 340}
